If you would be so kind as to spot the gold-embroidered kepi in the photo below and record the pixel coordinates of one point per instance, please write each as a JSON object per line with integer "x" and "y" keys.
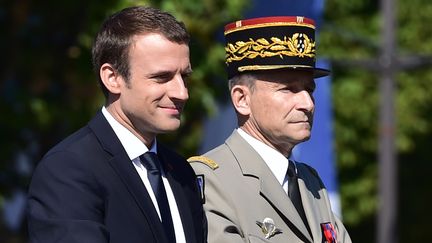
{"x": 271, "y": 43}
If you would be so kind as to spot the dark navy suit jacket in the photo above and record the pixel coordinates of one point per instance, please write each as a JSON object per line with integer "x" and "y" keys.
{"x": 86, "y": 190}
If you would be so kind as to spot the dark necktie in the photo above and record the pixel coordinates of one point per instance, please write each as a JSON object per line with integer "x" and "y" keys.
{"x": 294, "y": 192}
{"x": 153, "y": 165}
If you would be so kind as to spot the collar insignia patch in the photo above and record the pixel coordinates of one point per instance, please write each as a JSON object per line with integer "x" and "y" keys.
{"x": 201, "y": 185}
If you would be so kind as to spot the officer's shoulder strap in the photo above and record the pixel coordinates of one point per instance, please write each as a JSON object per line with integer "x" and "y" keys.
{"x": 202, "y": 159}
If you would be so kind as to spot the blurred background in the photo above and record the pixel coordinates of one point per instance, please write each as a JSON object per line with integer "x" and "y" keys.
{"x": 48, "y": 90}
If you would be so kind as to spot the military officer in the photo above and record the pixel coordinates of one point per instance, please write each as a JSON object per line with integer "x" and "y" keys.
{"x": 251, "y": 190}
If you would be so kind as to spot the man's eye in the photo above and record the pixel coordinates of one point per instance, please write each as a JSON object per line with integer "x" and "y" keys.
{"x": 186, "y": 76}
{"x": 162, "y": 78}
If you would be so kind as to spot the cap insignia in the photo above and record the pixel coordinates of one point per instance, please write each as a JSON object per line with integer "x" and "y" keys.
{"x": 300, "y": 19}
{"x": 299, "y": 45}
{"x": 238, "y": 24}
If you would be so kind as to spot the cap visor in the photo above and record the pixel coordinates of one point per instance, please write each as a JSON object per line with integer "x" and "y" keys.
{"x": 321, "y": 72}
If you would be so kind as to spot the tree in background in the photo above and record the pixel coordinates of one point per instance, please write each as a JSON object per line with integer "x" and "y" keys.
{"x": 351, "y": 31}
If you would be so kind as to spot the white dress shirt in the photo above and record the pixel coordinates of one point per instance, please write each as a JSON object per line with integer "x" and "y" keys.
{"x": 134, "y": 149}
{"x": 276, "y": 161}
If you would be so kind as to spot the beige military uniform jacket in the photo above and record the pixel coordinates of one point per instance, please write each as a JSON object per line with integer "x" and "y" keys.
{"x": 240, "y": 193}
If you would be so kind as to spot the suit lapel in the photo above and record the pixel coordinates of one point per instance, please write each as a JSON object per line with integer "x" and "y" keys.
{"x": 252, "y": 164}
{"x": 172, "y": 173}
{"x": 311, "y": 213}
{"x": 124, "y": 168}
{"x": 314, "y": 216}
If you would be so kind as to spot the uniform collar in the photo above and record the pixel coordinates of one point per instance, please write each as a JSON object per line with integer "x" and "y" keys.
{"x": 276, "y": 161}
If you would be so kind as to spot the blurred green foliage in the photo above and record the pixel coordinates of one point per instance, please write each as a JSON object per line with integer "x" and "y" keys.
{"x": 351, "y": 31}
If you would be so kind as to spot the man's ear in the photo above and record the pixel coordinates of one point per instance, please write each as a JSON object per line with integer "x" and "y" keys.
{"x": 240, "y": 97}
{"x": 110, "y": 78}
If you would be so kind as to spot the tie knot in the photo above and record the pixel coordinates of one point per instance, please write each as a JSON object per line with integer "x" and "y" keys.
{"x": 291, "y": 169}
{"x": 151, "y": 162}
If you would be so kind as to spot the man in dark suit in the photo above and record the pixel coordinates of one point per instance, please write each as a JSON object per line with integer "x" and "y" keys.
{"x": 111, "y": 181}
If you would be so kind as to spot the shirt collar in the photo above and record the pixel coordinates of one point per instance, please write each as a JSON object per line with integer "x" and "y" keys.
{"x": 133, "y": 146}
{"x": 276, "y": 161}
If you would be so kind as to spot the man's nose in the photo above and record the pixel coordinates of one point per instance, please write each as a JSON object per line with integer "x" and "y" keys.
{"x": 178, "y": 89}
{"x": 306, "y": 101}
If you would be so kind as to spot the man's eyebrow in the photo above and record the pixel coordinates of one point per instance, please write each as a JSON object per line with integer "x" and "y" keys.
{"x": 161, "y": 73}
{"x": 187, "y": 71}
{"x": 167, "y": 73}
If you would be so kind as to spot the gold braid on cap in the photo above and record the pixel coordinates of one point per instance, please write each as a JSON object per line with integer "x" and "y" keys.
{"x": 298, "y": 45}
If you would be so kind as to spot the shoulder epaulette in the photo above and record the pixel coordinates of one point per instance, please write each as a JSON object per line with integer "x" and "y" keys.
{"x": 209, "y": 162}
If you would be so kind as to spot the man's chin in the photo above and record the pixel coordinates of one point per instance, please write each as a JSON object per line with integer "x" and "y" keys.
{"x": 305, "y": 138}
{"x": 171, "y": 127}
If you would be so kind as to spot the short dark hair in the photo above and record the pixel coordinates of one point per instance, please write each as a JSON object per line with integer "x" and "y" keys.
{"x": 113, "y": 41}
